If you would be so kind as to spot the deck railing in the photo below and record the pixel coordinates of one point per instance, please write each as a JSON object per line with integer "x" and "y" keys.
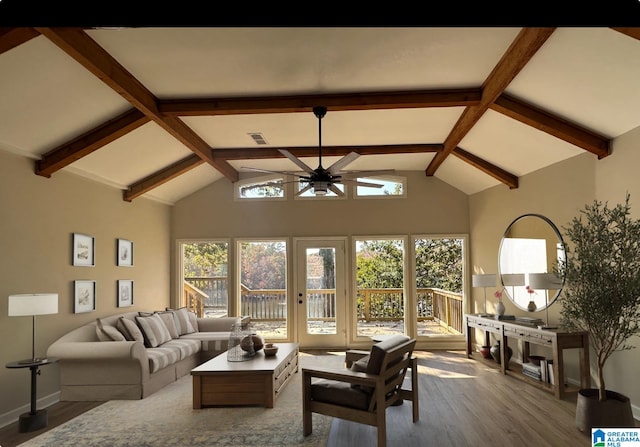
{"x": 382, "y": 305}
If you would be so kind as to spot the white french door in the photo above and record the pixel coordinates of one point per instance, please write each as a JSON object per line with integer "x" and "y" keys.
{"x": 320, "y": 292}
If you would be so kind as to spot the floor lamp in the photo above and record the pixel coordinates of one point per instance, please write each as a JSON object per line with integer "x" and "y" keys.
{"x": 30, "y": 305}
{"x": 546, "y": 282}
{"x": 484, "y": 281}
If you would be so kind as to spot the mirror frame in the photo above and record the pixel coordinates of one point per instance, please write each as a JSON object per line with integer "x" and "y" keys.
{"x": 511, "y": 290}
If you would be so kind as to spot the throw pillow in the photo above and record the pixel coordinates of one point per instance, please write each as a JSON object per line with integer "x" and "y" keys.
{"x": 193, "y": 319}
{"x": 154, "y": 330}
{"x": 108, "y": 332}
{"x": 130, "y": 329}
{"x": 170, "y": 322}
{"x": 183, "y": 324}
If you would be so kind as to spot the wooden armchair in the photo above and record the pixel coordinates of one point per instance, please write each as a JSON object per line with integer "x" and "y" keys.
{"x": 362, "y": 392}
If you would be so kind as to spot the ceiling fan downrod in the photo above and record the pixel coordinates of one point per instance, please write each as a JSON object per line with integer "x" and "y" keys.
{"x": 320, "y": 112}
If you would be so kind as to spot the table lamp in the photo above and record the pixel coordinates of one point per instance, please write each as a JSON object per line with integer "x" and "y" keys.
{"x": 546, "y": 282}
{"x": 484, "y": 281}
{"x": 31, "y": 305}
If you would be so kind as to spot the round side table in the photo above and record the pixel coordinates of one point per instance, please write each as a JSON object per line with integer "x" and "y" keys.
{"x": 34, "y": 419}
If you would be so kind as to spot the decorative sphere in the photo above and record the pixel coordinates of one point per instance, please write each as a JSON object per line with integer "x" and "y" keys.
{"x": 258, "y": 343}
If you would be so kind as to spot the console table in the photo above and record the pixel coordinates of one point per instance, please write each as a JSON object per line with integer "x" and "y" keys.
{"x": 556, "y": 339}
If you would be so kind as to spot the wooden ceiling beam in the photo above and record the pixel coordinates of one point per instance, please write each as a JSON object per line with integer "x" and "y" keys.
{"x": 494, "y": 171}
{"x": 330, "y": 151}
{"x": 77, "y": 44}
{"x": 541, "y": 120}
{"x": 333, "y": 102}
{"x": 13, "y": 37}
{"x": 519, "y": 53}
{"x": 89, "y": 142}
{"x": 158, "y": 178}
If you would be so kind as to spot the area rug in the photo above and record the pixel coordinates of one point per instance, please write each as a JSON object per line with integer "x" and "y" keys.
{"x": 166, "y": 418}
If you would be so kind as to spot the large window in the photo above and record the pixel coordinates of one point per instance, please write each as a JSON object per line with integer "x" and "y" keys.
{"x": 439, "y": 273}
{"x": 380, "y": 306}
{"x": 263, "y": 285}
{"x": 204, "y": 282}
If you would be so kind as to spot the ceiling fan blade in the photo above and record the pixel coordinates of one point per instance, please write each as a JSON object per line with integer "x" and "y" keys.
{"x": 336, "y": 190}
{"x": 296, "y": 160}
{"x": 367, "y": 184}
{"x": 373, "y": 173}
{"x": 297, "y": 174}
{"x": 344, "y": 161}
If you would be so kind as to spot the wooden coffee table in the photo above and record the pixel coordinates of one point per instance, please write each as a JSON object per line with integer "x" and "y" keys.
{"x": 258, "y": 381}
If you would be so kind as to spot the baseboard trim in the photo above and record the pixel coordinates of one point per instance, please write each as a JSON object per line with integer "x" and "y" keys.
{"x": 12, "y": 416}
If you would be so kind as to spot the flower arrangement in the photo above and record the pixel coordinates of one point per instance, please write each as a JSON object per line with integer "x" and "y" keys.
{"x": 498, "y": 294}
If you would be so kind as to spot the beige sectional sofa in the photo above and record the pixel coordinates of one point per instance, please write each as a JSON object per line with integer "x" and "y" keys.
{"x": 134, "y": 354}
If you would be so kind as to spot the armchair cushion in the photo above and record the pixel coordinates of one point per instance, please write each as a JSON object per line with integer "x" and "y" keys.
{"x": 340, "y": 393}
{"x": 379, "y": 350}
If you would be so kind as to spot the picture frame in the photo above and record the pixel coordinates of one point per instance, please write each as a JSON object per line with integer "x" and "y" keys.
{"x": 125, "y": 292}
{"x": 83, "y": 250}
{"x": 84, "y": 296}
{"x": 124, "y": 253}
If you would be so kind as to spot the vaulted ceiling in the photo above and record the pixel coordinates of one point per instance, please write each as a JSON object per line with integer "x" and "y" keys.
{"x": 163, "y": 112}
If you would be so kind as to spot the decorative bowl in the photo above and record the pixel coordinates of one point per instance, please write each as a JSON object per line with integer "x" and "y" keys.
{"x": 270, "y": 350}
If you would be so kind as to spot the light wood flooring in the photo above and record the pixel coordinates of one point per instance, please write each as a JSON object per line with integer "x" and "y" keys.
{"x": 463, "y": 402}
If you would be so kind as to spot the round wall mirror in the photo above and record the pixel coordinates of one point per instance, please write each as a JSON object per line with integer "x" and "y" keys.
{"x": 528, "y": 257}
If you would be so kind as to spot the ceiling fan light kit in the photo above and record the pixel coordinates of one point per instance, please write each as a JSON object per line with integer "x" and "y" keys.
{"x": 321, "y": 180}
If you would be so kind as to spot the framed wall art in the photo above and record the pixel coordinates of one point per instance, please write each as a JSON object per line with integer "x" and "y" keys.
{"x": 125, "y": 292}
{"x": 84, "y": 296}
{"x": 83, "y": 251}
{"x": 125, "y": 253}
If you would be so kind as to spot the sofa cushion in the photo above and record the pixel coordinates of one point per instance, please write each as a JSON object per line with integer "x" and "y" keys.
{"x": 130, "y": 329}
{"x": 193, "y": 319}
{"x": 106, "y": 332}
{"x": 161, "y": 357}
{"x": 170, "y": 322}
{"x": 154, "y": 330}
{"x": 184, "y": 346}
{"x": 183, "y": 323}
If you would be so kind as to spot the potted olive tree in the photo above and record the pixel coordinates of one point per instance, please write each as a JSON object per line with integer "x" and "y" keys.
{"x": 601, "y": 296}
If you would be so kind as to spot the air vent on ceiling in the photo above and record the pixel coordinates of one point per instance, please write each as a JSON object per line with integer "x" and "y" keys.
{"x": 258, "y": 138}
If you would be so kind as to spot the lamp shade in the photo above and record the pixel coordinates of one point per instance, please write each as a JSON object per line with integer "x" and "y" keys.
{"x": 544, "y": 281}
{"x": 487, "y": 280}
{"x": 33, "y": 304}
{"x": 513, "y": 279}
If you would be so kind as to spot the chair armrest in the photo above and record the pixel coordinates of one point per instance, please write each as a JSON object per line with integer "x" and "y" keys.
{"x": 353, "y": 355}
{"x": 345, "y": 375}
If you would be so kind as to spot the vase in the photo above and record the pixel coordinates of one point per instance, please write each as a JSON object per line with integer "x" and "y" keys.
{"x": 531, "y": 307}
{"x": 495, "y": 353}
{"x": 500, "y": 308}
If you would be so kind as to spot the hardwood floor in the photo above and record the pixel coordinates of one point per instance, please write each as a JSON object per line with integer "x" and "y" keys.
{"x": 57, "y": 414}
{"x": 463, "y": 402}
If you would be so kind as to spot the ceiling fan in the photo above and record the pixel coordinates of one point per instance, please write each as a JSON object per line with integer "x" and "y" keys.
{"x": 321, "y": 180}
